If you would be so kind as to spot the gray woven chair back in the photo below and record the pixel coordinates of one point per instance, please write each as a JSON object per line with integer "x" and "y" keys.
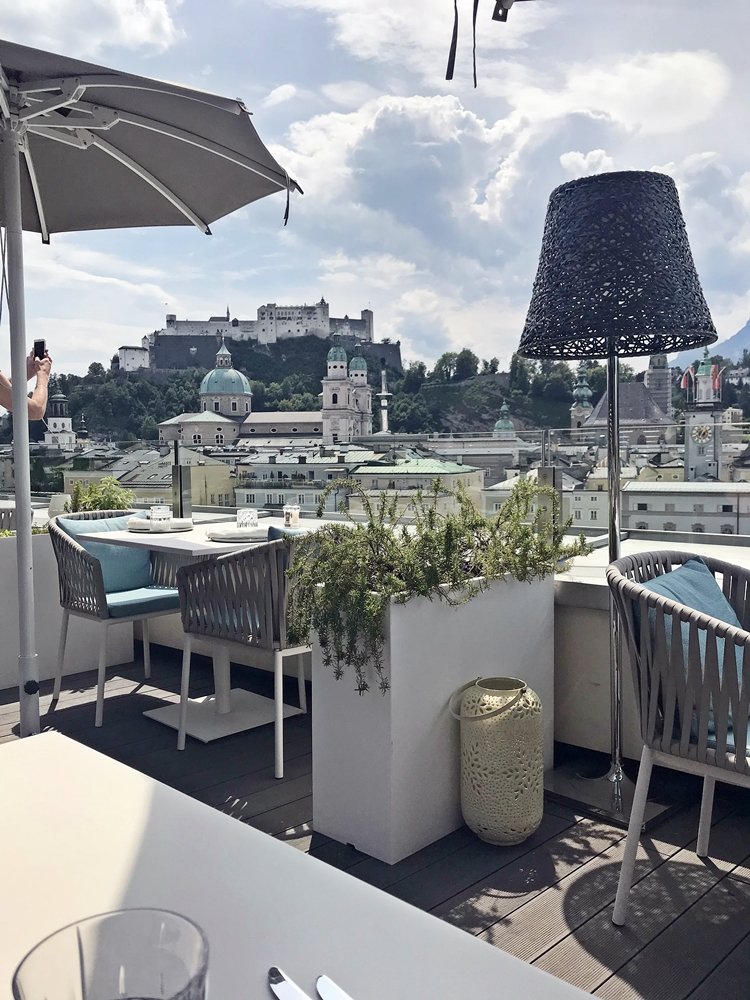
{"x": 79, "y": 573}
{"x": 240, "y": 597}
{"x": 691, "y": 671}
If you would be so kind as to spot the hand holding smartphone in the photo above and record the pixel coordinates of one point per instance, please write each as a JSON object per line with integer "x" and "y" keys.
{"x": 40, "y": 349}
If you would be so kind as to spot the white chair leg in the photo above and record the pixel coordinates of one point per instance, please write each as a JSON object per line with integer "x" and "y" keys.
{"x": 301, "y": 683}
{"x": 102, "y": 674}
{"x": 278, "y": 704}
{"x": 146, "y": 649}
{"x": 704, "y": 826}
{"x": 184, "y": 687}
{"x": 61, "y": 653}
{"x": 633, "y": 838}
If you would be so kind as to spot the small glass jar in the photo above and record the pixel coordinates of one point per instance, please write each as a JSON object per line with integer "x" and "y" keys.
{"x": 295, "y": 515}
{"x": 161, "y": 515}
{"x": 247, "y": 517}
{"x": 287, "y": 512}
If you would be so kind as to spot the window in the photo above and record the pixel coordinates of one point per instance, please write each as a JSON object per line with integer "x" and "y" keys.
{"x": 334, "y": 397}
{"x": 670, "y": 526}
{"x": 216, "y": 405}
{"x": 203, "y": 407}
{"x": 576, "y": 513}
{"x": 280, "y": 498}
{"x": 301, "y": 499}
{"x": 727, "y": 508}
{"x": 697, "y": 508}
{"x": 726, "y": 529}
{"x": 220, "y": 439}
{"x": 269, "y": 497}
{"x": 669, "y": 509}
{"x": 642, "y": 525}
{"x": 593, "y": 514}
{"x": 641, "y": 506}
{"x": 250, "y": 498}
{"x": 234, "y": 406}
{"x": 374, "y": 484}
{"x": 197, "y": 439}
{"x": 498, "y": 506}
{"x": 213, "y": 499}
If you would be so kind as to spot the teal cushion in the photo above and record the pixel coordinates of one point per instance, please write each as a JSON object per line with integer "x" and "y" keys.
{"x": 143, "y": 601}
{"x": 123, "y": 567}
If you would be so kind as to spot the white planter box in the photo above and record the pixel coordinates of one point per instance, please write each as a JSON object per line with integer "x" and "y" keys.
{"x": 386, "y": 768}
{"x": 82, "y": 648}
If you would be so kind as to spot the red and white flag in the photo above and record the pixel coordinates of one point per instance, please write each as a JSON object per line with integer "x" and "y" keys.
{"x": 716, "y": 377}
{"x": 687, "y": 376}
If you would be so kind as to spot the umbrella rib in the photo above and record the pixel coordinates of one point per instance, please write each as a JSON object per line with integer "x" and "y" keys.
{"x": 207, "y": 144}
{"x": 148, "y": 177}
{"x": 35, "y": 189}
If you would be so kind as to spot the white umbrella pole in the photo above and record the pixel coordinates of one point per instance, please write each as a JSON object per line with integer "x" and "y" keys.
{"x": 28, "y": 666}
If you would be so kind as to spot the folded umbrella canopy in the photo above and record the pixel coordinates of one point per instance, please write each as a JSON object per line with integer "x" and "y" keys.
{"x": 84, "y": 147}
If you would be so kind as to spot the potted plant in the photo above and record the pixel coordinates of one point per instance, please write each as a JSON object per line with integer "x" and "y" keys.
{"x": 414, "y": 602}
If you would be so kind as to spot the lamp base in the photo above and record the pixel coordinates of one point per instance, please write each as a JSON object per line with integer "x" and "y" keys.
{"x": 609, "y": 797}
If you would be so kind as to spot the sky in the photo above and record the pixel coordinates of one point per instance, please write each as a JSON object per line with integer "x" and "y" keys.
{"x": 424, "y": 200}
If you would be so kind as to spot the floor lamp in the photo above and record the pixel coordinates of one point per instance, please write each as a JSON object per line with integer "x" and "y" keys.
{"x": 616, "y": 279}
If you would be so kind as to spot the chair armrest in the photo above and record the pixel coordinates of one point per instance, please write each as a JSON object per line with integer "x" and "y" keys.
{"x": 238, "y": 597}
{"x": 79, "y": 575}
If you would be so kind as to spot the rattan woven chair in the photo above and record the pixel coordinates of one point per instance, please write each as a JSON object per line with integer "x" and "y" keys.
{"x": 83, "y": 594}
{"x": 692, "y": 694}
{"x": 240, "y": 599}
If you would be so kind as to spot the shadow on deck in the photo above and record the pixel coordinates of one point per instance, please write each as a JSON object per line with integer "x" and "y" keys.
{"x": 547, "y": 901}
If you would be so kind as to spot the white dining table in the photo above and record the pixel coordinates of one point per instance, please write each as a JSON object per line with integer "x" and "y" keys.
{"x": 228, "y": 710}
{"x": 83, "y": 834}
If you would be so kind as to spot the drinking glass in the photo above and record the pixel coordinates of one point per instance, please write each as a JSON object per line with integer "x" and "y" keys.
{"x": 125, "y": 955}
{"x": 161, "y": 515}
{"x": 247, "y": 517}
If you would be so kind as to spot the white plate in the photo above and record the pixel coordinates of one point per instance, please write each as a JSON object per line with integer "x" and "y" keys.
{"x": 143, "y": 524}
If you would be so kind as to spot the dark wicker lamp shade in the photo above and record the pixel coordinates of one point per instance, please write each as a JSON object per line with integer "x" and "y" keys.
{"x": 616, "y": 275}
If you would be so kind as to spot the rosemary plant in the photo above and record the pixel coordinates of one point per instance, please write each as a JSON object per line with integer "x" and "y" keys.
{"x": 344, "y": 575}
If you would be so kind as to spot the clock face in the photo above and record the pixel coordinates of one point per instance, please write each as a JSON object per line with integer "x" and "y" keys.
{"x": 701, "y": 433}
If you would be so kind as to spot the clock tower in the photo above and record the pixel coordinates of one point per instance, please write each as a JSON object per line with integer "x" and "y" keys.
{"x": 703, "y": 421}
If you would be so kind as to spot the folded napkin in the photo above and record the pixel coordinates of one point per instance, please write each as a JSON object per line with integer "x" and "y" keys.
{"x": 231, "y": 533}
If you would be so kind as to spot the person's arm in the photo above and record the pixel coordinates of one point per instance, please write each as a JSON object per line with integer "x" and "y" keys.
{"x": 37, "y": 401}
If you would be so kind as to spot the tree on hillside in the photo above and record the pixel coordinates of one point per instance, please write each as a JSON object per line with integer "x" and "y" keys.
{"x": 410, "y": 414}
{"x": 466, "y": 365}
{"x": 96, "y": 372}
{"x": 490, "y": 367}
{"x": 519, "y": 377}
{"x": 414, "y": 377}
{"x": 445, "y": 367}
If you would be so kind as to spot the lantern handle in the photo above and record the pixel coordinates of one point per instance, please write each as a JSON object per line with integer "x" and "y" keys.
{"x": 488, "y": 715}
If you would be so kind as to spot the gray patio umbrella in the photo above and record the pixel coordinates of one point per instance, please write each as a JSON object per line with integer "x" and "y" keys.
{"x": 84, "y": 147}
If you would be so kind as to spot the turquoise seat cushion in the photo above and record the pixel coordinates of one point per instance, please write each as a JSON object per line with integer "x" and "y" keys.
{"x": 143, "y": 601}
{"x": 123, "y": 567}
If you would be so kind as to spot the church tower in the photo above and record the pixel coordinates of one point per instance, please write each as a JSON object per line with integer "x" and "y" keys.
{"x": 347, "y": 398}
{"x": 504, "y": 429}
{"x": 658, "y": 380}
{"x": 226, "y": 390}
{"x": 581, "y": 409}
{"x": 703, "y": 421}
{"x": 59, "y": 431}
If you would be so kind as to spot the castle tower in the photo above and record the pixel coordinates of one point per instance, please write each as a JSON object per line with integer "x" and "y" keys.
{"x": 703, "y": 421}
{"x": 581, "y": 409}
{"x": 658, "y": 380}
{"x": 59, "y": 431}
{"x": 347, "y": 398}
{"x": 225, "y": 390}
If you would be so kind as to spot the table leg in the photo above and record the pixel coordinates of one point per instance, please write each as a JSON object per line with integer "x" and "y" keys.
{"x": 222, "y": 681}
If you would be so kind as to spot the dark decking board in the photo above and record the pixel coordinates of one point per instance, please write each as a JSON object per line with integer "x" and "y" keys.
{"x": 547, "y": 901}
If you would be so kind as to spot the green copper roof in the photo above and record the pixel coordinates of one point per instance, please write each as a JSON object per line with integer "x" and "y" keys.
{"x": 337, "y": 354}
{"x": 358, "y": 364}
{"x": 225, "y": 381}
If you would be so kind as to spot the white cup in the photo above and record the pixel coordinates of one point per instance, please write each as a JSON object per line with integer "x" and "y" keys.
{"x": 161, "y": 515}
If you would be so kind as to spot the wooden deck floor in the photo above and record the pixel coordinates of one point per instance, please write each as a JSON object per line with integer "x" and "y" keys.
{"x": 548, "y": 901}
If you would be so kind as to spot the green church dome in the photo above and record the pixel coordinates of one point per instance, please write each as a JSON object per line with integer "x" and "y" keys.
{"x": 225, "y": 381}
{"x": 358, "y": 364}
{"x": 337, "y": 354}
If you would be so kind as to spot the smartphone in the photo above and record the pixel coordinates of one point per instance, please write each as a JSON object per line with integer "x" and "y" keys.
{"x": 40, "y": 349}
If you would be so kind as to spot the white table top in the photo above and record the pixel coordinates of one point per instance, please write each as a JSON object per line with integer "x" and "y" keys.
{"x": 191, "y": 543}
{"x": 83, "y": 834}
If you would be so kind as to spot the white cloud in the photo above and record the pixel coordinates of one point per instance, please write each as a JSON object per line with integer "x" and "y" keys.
{"x": 84, "y": 28}
{"x": 279, "y": 95}
{"x": 578, "y": 164}
{"x": 349, "y": 93}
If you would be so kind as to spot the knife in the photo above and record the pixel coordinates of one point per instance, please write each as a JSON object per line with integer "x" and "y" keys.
{"x": 328, "y": 990}
{"x": 283, "y": 986}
